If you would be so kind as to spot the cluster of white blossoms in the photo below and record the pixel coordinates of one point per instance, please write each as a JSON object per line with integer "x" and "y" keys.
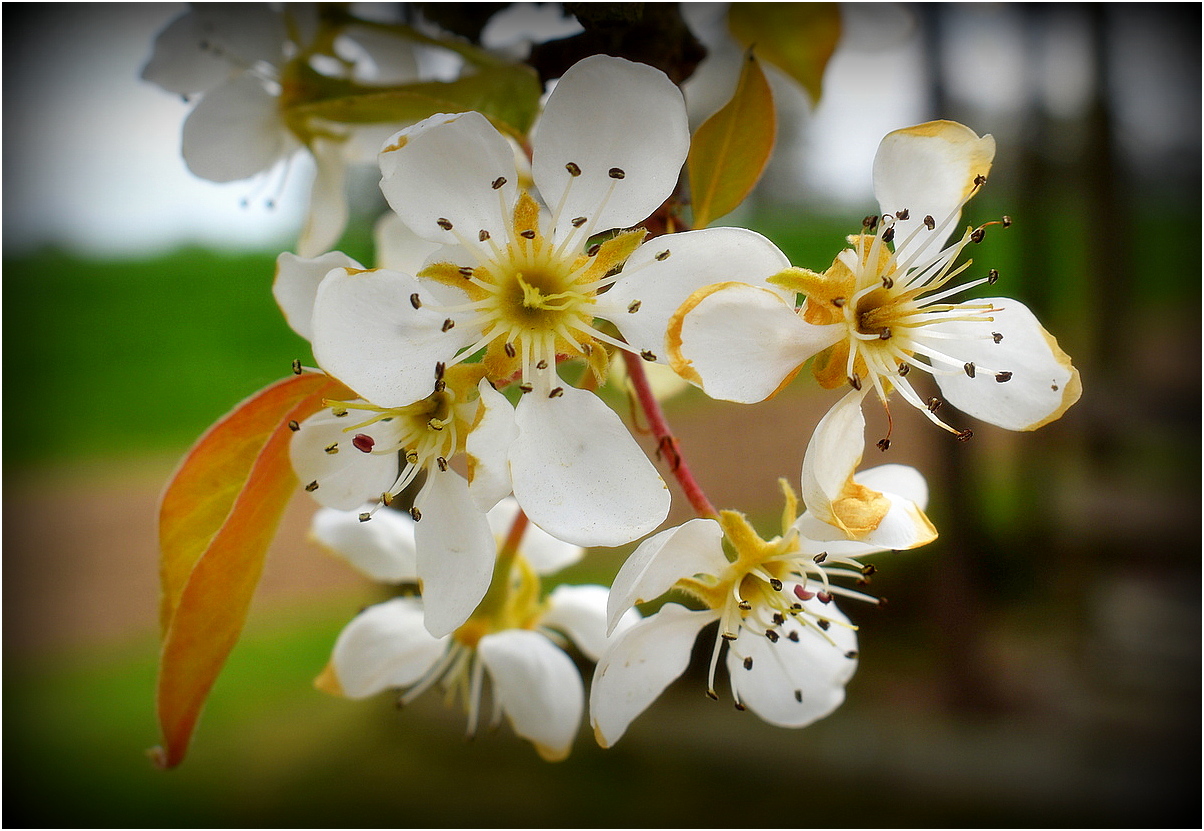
{"x": 474, "y": 351}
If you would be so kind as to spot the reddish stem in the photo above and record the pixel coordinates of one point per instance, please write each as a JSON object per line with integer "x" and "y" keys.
{"x": 666, "y": 443}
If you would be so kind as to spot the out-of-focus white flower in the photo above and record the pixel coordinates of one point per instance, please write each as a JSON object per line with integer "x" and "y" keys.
{"x": 515, "y": 639}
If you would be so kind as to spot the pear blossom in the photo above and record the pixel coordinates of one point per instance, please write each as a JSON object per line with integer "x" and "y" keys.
{"x": 880, "y": 312}
{"x": 515, "y": 640}
{"x": 533, "y": 277}
{"x": 789, "y": 650}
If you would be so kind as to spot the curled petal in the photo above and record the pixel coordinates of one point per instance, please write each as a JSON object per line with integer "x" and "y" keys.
{"x": 1042, "y": 384}
{"x": 666, "y": 270}
{"x": 382, "y": 548}
{"x": 296, "y": 286}
{"x": 695, "y": 547}
{"x": 579, "y": 474}
{"x": 742, "y": 343}
{"x": 384, "y": 646}
{"x": 235, "y": 132}
{"x": 638, "y": 665}
{"x": 334, "y": 472}
{"x": 328, "y": 210}
{"x": 538, "y": 686}
{"x": 580, "y": 612}
{"x": 623, "y": 126}
{"x": 794, "y": 683}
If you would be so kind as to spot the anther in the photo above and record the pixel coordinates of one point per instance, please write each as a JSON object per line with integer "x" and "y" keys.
{"x": 633, "y": 307}
{"x": 824, "y": 624}
{"x": 542, "y": 364}
{"x": 744, "y": 606}
{"x": 441, "y": 462}
{"x": 331, "y": 448}
{"x": 412, "y": 456}
{"x": 448, "y": 324}
{"x": 823, "y": 597}
{"x": 851, "y": 654}
{"x": 444, "y": 223}
{"x": 798, "y": 696}
{"x": 727, "y": 636}
{"x": 484, "y": 235}
{"x": 294, "y": 426}
{"x": 772, "y": 635}
{"x": 997, "y": 336}
{"x": 980, "y": 180}
{"x": 884, "y": 445}
{"x": 888, "y": 282}
{"x": 573, "y": 168}
{"x": 525, "y": 388}
{"x": 904, "y": 369}
{"x": 662, "y": 256}
{"x": 527, "y": 234}
{"x": 934, "y": 404}
{"x": 435, "y": 424}
{"x": 748, "y": 662}
{"x": 803, "y": 594}
{"x": 869, "y": 569}
{"x": 338, "y": 412}
{"x": 969, "y": 368}
{"x": 415, "y": 513}
{"x": 855, "y": 382}
{"x": 1003, "y": 377}
{"x": 818, "y": 558}
{"x": 415, "y": 300}
{"x": 965, "y": 435}
{"x": 647, "y": 355}
{"x": 978, "y": 235}
{"x": 616, "y": 173}
{"x": 929, "y": 222}
{"x": 593, "y": 250}
{"x": 1005, "y": 221}
{"x": 556, "y": 392}
{"x": 466, "y": 272}
{"x": 498, "y": 182}
{"x": 578, "y": 221}
{"x": 793, "y": 635}
{"x": 870, "y": 222}
{"x": 740, "y": 707}
{"x": 312, "y": 486}
{"x": 296, "y": 366}
{"x": 386, "y": 499}
{"x": 889, "y": 234}
{"x": 509, "y": 349}
{"x": 775, "y": 584}
{"x": 778, "y": 620}
{"x": 796, "y": 607}
{"x": 838, "y": 301}
{"x": 903, "y": 214}
{"x": 993, "y": 276}
{"x": 440, "y": 368}
{"x": 365, "y": 516}
{"x": 711, "y": 694}
{"x": 885, "y": 333}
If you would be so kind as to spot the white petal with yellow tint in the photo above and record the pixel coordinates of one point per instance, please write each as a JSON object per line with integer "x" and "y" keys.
{"x": 832, "y": 455}
{"x": 384, "y": 646}
{"x": 1043, "y": 382}
{"x": 666, "y": 270}
{"x": 794, "y": 683}
{"x": 929, "y": 170}
{"x": 639, "y": 664}
{"x": 579, "y": 474}
{"x": 742, "y": 343}
{"x": 456, "y": 551}
{"x": 296, "y": 286}
{"x": 694, "y": 547}
{"x": 538, "y": 686}
{"x": 440, "y": 172}
{"x": 326, "y": 218}
{"x": 334, "y": 472}
{"x": 382, "y": 548}
{"x": 488, "y": 448}
{"x": 610, "y": 118}
{"x": 235, "y": 132}
{"x": 368, "y": 334}
{"x": 398, "y": 248}
{"x": 543, "y": 552}
{"x": 580, "y": 612}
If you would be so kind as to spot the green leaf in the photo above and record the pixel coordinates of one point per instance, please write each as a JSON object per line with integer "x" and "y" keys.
{"x": 508, "y": 95}
{"x": 730, "y": 149}
{"x": 797, "y": 38}
{"x": 218, "y": 516}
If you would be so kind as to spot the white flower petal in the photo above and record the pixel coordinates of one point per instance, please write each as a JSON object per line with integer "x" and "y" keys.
{"x": 368, "y": 334}
{"x": 382, "y": 548}
{"x": 328, "y": 210}
{"x": 580, "y": 612}
{"x": 488, "y": 448}
{"x": 456, "y": 551}
{"x": 384, "y": 646}
{"x": 1043, "y": 385}
{"x": 661, "y": 274}
{"x": 235, "y": 132}
{"x": 638, "y": 665}
{"x": 580, "y": 475}
{"x": 901, "y": 480}
{"x": 833, "y": 454}
{"x": 296, "y": 286}
{"x": 695, "y": 547}
{"x": 543, "y": 552}
{"x": 929, "y": 170}
{"x": 742, "y": 343}
{"x": 346, "y": 478}
{"x": 538, "y": 686}
{"x": 206, "y": 45}
{"x": 792, "y": 684}
{"x": 444, "y": 168}
{"x": 398, "y": 248}
{"x": 609, "y": 114}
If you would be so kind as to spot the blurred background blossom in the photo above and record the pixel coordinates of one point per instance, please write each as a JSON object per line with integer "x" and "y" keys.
{"x": 1038, "y": 665}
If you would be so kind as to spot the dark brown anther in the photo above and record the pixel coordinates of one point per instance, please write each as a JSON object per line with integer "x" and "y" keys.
{"x": 870, "y": 222}
{"x": 578, "y": 221}
{"x": 444, "y": 223}
{"x": 929, "y": 223}
{"x": 556, "y": 392}
{"x": 869, "y": 569}
{"x": 415, "y": 513}
{"x": 798, "y": 696}
{"x": 662, "y": 256}
{"x": 711, "y": 694}
{"x": 978, "y": 235}
{"x": 440, "y": 385}
{"x": 744, "y": 606}
{"x": 839, "y": 302}
{"x": 525, "y": 388}
{"x": 573, "y": 168}
{"x": 466, "y": 272}
{"x": 885, "y": 333}
{"x": 498, "y": 182}
{"x": 294, "y": 426}
{"x": 338, "y": 412}
{"x": 483, "y": 235}
{"x": 365, "y": 516}
{"x": 296, "y": 366}
{"x": 1006, "y": 221}
{"x": 996, "y": 336}
{"x": 980, "y": 180}
{"x": 823, "y": 597}
{"x": 440, "y": 368}
{"x": 448, "y": 325}
{"x": 793, "y": 635}
{"x": 904, "y": 369}
{"x": 969, "y": 368}
{"x": 903, "y": 214}
{"x": 851, "y": 654}
{"x": 727, "y": 636}
{"x": 934, "y": 404}
{"x": 1003, "y": 377}
{"x": 855, "y": 382}
{"x": 824, "y": 624}
{"x": 441, "y": 462}
{"x": 331, "y": 448}
{"x": 965, "y": 435}
{"x": 889, "y": 234}
{"x": 415, "y": 300}
{"x": 992, "y": 276}
{"x": 616, "y": 173}
{"x": 633, "y": 307}
{"x": 312, "y": 486}
{"x": 527, "y": 234}
{"x": 888, "y": 282}
{"x": 772, "y": 635}
{"x": 647, "y": 355}
{"x": 542, "y": 364}
{"x": 593, "y": 250}
{"x": 775, "y": 584}
{"x": 778, "y": 620}
{"x": 817, "y": 559}
{"x": 748, "y": 662}
{"x": 740, "y": 707}
{"x": 796, "y": 607}
{"x": 509, "y": 349}
{"x": 884, "y": 445}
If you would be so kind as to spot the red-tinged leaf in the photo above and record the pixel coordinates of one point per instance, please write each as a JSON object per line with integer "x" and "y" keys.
{"x": 218, "y": 516}
{"x": 797, "y": 38}
{"x": 730, "y": 149}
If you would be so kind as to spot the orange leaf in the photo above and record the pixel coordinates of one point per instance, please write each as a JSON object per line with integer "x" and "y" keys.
{"x": 797, "y": 38}
{"x": 218, "y": 516}
{"x": 730, "y": 149}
